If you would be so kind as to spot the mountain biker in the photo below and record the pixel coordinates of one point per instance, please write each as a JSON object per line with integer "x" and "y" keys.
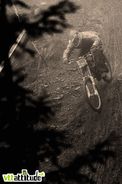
{"x": 88, "y": 41}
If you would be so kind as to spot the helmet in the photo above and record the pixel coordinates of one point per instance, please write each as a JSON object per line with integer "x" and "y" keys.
{"x": 75, "y": 38}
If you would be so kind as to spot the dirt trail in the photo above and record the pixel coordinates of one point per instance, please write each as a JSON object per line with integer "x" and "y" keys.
{"x": 84, "y": 127}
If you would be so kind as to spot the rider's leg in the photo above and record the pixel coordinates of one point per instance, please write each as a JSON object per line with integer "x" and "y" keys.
{"x": 106, "y": 77}
{"x": 100, "y": 63}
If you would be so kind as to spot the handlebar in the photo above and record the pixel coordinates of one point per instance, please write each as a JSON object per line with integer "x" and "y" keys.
{"x": 81, "y": 57}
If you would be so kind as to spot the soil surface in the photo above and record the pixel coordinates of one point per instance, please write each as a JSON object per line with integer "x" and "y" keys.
{"x": 91, "y": 146}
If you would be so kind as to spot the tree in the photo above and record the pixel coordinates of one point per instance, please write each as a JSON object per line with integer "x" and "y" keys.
{"x": 21, "y": 144}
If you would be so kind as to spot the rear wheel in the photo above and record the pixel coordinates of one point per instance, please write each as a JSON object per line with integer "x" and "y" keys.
{"x": 92, "y": 94}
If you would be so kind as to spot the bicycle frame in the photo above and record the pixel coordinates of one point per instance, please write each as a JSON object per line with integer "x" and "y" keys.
{"x": 87, "y": 75}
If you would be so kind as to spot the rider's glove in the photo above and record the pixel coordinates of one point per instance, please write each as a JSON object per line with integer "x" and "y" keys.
{"x": 93, "y": 49}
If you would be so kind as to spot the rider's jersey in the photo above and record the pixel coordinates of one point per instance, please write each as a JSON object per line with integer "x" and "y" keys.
{"x": 83, "y": 41}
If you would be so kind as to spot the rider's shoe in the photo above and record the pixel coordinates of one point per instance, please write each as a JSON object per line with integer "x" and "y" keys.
{"x": 106, "y": 77}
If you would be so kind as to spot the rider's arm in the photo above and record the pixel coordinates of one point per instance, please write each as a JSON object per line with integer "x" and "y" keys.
{"x": 96, "y": 42}
{"x": 68, "y": 50}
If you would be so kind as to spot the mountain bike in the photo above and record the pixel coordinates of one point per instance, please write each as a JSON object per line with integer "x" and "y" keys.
{"x": 90, "y": 80}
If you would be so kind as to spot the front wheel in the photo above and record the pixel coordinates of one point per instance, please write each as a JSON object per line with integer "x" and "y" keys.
{"x": 92, "y": 94}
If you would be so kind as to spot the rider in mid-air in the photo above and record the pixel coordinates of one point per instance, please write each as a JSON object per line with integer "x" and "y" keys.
{"x": 88, "y": 41}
